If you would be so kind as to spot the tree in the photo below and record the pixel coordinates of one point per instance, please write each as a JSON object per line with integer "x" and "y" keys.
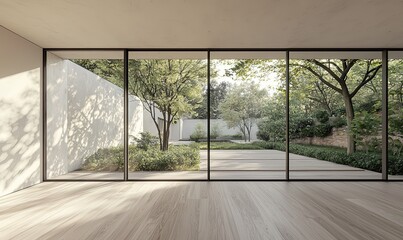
{"x": 171, "y": 87}
{"x": 325, "y": 80}
{"x": 242, "y": 107}
{"x": 340, "y": 76}
{"x": 218, "y": 91}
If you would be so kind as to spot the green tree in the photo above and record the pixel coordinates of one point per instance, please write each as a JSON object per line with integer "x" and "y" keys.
{"x": 218, "y": 91}
{"x": 171, "y": 87}
{"x": 322, "y": 81}
{"x": 242, "y": 107}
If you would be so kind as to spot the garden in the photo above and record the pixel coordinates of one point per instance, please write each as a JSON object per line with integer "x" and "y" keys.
{"x": 335, "y": 111}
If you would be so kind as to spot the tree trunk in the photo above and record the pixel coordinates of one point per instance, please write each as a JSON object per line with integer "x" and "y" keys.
{"x": 349, "y": 116}
{"x": 166, "y": 137}
{"x": 164, "y": 146}
{"x": 248, "y": 130}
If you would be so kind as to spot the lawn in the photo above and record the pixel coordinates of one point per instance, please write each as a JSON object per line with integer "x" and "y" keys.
{"x": 230, "y": 146}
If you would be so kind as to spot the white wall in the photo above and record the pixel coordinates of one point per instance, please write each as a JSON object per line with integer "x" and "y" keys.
{"x": 85, "y": 113}
{"x": 20, "y": 112}
{"x": 189, "y": 126}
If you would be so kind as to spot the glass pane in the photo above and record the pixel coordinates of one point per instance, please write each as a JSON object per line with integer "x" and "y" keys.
{"x": 167, "y": 92}
{"x": 247, "y": 115}
{"x": 85, "y": 115}
{"x": 395, "y": 115}
{"x": 335, "y": 115}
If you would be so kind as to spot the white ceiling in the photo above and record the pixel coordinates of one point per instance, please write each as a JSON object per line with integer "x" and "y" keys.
{"x": 206, "y": 23}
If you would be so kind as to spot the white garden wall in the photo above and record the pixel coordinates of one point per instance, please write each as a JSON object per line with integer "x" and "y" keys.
{"x": 85, "y": 113}
{"x": 189, "y": 126}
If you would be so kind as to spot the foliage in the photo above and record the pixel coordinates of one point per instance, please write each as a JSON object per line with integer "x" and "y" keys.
{"x": 153, "y": 159}
{"x": 105, "y": 159}
{"x": 370, "y": 161}
{"x": 365, "y": 128}
{"x": 172, "y": 87}
{"x": 215, "y": 131}
{"x": 146, "y": 141}
{"x": 337, "y": 122}
{"x": 322, "y": 130}
{"x": 108, "y": 69}
{"x": 322, "y": 116}
{"x": 218, "y": 92}
{"x": 198, "y": 133}
{"x": 176, "y": 158}
{"x": 242, "y": 107}
{"x": 229, "y": 146}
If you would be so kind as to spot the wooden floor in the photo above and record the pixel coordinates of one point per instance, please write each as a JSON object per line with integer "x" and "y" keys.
{"x": 204, "y": 210}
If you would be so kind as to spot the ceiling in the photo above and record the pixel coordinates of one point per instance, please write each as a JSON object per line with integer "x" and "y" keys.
{"x": 206, "y": 23}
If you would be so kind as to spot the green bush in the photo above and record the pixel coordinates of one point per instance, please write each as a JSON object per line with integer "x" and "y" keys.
{"x": 199, "y": 133}
{"x": 152, "y": 159}
{"x": 322, "y": 130}
{"x": 146, "y": 141}
{"x": 105, "y": 159}
{"x": 322, "y": 116}
{"x": 215, "y": 132}
{"x": 176, "y": 158}
{"x": 338, "y": 122}
{"x": 370, "y": 161}
{"x": 301, "y": 127}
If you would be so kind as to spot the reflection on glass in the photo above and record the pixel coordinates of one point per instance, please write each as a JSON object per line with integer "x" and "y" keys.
{"x": 335, "y": 115}
{"x": 84, "y": 115}
{"x": 166, "y": 94}
{"x": 248, "y": 115}
{"x": 395, "y": 115}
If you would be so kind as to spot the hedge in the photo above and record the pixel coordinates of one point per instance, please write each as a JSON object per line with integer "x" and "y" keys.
{"x": 176, "y": 158}
{"x": 370, "y": 161}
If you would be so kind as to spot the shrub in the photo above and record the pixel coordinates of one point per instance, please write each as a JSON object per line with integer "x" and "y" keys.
{"x": 105, "y": 159}
{"x": 153, "y": 159}
{"x": 199, "y": 133}
{"x": 322, "y": 130}
{"x": 271, "y": 129}
{"x": 338, "y": 122}
{"x": 301, "y": 126}
{"x": 322, "y": 116}
{"x": 370, "y": 161}
{"x": 215, "y": 132}
{"x": 146, "y": 141}
{"x": 176, "y": 158}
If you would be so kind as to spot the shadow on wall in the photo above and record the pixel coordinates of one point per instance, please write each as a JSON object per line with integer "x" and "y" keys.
{"x": 19, "y": 131}
{"x": 89, "y": 116}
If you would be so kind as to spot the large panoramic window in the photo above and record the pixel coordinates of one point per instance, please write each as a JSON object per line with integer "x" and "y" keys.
{"x": 395, "y": 115}
{"x": 167, "y": 99}
{"x": 223, "y": 118}
{"x": 335, "y": 115}
{"x": 85, "y": 115}
{"x": 247, "y": 115}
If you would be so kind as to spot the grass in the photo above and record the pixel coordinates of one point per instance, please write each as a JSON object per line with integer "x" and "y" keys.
{"x": 230, "y": 146}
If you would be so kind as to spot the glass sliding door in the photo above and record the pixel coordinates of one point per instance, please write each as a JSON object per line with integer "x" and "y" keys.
{"x": 395, "y": 115}
{"x": 167, "y": 115}
{"x": 85, "y": 115}
{"x": 248, "y": 115}
{"x": 335, "y": 115}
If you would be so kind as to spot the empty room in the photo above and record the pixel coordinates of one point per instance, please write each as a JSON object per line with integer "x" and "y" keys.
{"x": 187, "y": 119}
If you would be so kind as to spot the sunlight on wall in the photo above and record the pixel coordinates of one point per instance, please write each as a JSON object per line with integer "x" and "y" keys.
{"x": 85, "y": 113}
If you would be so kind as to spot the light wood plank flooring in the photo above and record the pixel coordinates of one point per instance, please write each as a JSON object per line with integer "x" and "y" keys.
{"x": 204, "y": 210}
